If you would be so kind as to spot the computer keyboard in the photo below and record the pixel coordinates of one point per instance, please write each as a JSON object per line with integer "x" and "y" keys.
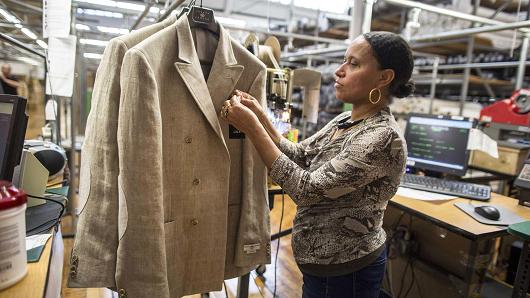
{"x": 456, "y": 188}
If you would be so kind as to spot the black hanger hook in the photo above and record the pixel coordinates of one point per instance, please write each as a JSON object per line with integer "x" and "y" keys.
{"x": 201, "y": 3}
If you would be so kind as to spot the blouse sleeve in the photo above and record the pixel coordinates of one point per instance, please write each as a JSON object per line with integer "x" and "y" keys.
{"x": 362, "y": 161}
{"x": 295, "y": 151}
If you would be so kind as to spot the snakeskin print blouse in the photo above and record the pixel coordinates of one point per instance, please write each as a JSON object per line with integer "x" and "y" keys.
{"x": 341, "y": 187}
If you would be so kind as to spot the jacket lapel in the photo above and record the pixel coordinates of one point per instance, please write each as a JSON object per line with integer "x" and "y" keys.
{"x": 189, "y": 69}
{"x": 225, "y": 71}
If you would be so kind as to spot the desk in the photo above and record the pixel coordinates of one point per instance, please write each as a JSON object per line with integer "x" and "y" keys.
{"x": 445, "y": 215}
{"x": 44, "y": 277}
{"x": 448, "y": 216}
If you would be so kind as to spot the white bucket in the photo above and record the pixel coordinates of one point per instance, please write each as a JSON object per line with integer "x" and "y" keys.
{"x": 13, "y": 258}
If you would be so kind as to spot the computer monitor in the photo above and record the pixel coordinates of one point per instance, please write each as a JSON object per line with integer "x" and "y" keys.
{"x": 13, "y": 123}
{"x": 438, "y": 143}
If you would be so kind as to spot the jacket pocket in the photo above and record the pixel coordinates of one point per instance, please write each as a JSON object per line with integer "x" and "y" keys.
{"x": 84, "y": 185}
{"x": 123, "y": 215}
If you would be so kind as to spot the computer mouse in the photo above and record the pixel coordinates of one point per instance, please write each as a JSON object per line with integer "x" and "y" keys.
{"x": 488, "y": 212}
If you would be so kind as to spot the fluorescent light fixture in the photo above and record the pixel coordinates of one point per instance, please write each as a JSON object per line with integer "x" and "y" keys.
{"x": 94, "y": 42}
{"x": 131, "y": 6}
{"x": 42, "y": 44}
{"x": 28, "y": 33}
{"x": 120, "y": 4}
{"x": 9, "y": 17}
{"x": 28, "y": 60}
{"x": 113, "y": 30}
{"x": 284, "y": 2}
{"x": 92, "y": 55}
{"x": 99, "y": 2}
{"x": 82, "y": 27}
{"x": 100, "y": 13}
{"x": 231, "y": 21}
{"x": 338, "y": 6}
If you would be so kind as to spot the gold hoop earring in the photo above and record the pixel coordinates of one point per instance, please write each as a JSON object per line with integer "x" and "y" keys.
{"x": 378, "y": 97}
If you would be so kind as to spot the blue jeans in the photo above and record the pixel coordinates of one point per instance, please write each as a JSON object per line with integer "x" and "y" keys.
{"x": 365, "y": 283}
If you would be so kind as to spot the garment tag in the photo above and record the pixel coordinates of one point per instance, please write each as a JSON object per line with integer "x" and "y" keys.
{"x": 251, "y": 248}
{"x": 234, "y": 133}
{"x": 202, "y": 15}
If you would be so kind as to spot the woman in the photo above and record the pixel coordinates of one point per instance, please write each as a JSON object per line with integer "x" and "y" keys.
{"x": 342, "y": 177}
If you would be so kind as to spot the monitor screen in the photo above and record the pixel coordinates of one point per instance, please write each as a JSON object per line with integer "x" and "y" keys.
{"x": 13, "y": 122}
{"x": 6, "y": 112}
{"x": 438, "y": 143}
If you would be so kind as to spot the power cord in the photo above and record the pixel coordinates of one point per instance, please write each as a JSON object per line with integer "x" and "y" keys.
{"x": 257, "y": 286}
{"x": 278, "y": 245}
{"x": 55, "y": 220}
{"x": 226, "y": 290}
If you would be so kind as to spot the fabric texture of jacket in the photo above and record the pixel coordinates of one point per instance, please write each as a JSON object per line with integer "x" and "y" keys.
{"x": 97, "y": 228}
{"x": 192, "y": 202}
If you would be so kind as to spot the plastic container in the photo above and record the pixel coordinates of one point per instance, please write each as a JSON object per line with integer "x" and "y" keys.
{"x": 13, "y": 258}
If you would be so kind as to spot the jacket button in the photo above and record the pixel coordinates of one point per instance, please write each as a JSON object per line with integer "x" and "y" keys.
{"x": 187, "y": 140}
{"x": 121, "y": 291}
{"x": 194, "y": 221}
{"x": 196, "y": 181}
{"x": 73, "y": 268}
{"x": 73, "y": 273}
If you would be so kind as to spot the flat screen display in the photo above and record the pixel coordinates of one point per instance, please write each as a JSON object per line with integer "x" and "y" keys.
{"x": 438, "y": 143}
{"x": 6, "y": 112}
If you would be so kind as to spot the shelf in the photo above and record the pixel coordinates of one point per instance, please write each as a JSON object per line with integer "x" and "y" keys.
{"x": 457, "y": 79}
{"x": 474, "y": 65}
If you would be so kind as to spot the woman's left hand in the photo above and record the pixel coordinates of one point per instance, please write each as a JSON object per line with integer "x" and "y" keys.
{"x": 235, "y": 113}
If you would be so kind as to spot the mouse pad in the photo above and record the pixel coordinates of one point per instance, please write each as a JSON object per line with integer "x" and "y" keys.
{"x": 507, "y": 218}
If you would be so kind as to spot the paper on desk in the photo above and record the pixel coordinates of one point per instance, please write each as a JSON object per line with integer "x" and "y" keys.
{"x": 482, "y": 142}
{"x": 422, "y": 195}
{"x": 61, "y": 54}
{"x": 36, "y": 240}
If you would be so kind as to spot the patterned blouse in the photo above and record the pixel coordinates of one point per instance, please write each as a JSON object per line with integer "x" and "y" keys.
{"x": 341, "y": 187}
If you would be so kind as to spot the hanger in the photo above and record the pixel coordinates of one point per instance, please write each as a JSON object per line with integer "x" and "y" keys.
{"x": 201, "y": 17}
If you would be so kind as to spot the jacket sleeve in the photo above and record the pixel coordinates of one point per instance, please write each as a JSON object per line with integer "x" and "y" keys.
{"x": 141, "y": 257}
{"x": 93, "y": 261}
{"x": 360, "y": 162}
{"x": 254, "y": 216}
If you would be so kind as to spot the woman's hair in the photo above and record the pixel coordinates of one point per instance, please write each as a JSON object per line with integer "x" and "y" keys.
{"x": 392, "y": 52}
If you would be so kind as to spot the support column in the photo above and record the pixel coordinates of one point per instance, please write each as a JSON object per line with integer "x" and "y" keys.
{"x": 522, "y": 63}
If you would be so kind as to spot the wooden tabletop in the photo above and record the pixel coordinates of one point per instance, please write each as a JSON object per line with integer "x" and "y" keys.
{"x": 34, "y": 283}
{"x": 445, "y": 214}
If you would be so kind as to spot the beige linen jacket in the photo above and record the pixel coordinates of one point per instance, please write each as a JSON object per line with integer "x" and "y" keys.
{"x": 192, "y": 201}
{"x": 94, "y": 252}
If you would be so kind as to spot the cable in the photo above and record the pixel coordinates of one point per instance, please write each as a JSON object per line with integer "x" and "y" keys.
{"x": 51, "y": 200}
{"x": 257, "y": 286}
{"x": 278, "y": 245}
{"x": 417, "y": 283}
{"x": 55, "y": 220}
{"x": 412, "y": 279}
{"x": 402, "y": 282}
{"x": 226, "y": 290}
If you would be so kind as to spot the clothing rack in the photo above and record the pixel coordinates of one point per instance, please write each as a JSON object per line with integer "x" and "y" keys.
{"x": 170, "y": 9}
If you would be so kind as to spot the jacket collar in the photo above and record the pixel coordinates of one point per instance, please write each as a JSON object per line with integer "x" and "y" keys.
{"x": 224, "y": 74}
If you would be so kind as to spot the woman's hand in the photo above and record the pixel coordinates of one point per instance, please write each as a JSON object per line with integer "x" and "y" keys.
{"x": 240, "y": 116}
{"x": 250, "y": 102}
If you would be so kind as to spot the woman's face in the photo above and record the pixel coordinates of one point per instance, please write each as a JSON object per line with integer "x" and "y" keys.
{"x": 358, "y": 74}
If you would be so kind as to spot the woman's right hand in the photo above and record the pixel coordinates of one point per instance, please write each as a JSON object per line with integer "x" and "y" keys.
{"x": 250, "y": 102}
